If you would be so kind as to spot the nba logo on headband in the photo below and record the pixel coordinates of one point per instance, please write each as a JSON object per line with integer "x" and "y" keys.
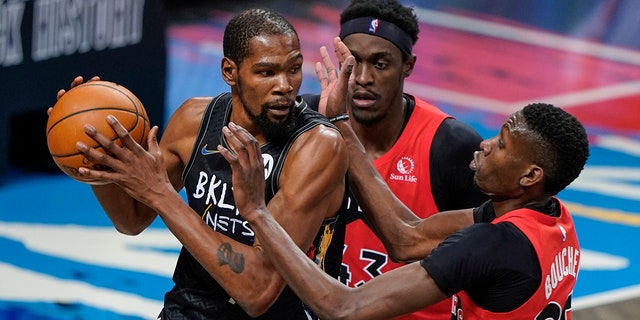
{"x": 373, "y": 27}
{"x": 380, "y": 28}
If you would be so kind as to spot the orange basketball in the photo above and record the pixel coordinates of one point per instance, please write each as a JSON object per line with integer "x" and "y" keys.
{"x": 91, "y": 103}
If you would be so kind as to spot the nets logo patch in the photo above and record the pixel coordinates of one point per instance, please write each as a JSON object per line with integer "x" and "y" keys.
{"x": 268, "y": 164}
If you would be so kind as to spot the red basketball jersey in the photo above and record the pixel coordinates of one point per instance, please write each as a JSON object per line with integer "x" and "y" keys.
{"x": 556, "y": 244}
{"x": 406, "y": 169}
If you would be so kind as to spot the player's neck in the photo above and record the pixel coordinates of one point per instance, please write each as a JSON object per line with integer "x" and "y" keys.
{"x": 240, "y": 117}
{"x": 503, "y": 206}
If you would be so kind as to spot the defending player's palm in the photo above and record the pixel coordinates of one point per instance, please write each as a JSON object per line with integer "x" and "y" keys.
{"x": 247, "y": 167}
{"x": 334, "y": 84}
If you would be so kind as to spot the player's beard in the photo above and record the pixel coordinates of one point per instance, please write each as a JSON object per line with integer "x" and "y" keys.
{"x": 367, "y": 118}
{"x": 275, "y": 132}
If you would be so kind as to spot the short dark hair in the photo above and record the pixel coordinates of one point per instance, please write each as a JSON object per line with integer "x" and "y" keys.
{"x": 248, "y": 25}
{"x": 565, "y": 146}
{"x": 388, "y": 10}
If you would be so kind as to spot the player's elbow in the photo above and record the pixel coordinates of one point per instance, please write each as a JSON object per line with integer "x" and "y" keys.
{"x": 399, "y": 255}
{"x": 133, "y": 224}
{"x": 129, "y": 230}
{"x": 257, "y": 307}
{"x": 337, "y": 306}
{"x": 335, "y": 313}
{"x": 254, "y": 309}
{"x": 410, "y": 252}
{"x": 395, "y": 256}
{"x": 257, "y": 301}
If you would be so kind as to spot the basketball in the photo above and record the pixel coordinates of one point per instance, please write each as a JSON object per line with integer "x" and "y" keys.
{"x": 91, "y": 103}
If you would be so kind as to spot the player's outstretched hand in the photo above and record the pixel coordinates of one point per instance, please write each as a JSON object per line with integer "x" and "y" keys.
{"x": 248, "y": 170}
{"x": 141, "y": 173}
{"x": 330, "y": 79}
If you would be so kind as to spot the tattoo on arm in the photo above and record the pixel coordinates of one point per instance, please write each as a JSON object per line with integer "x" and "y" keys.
{"x": 233, "y": 259}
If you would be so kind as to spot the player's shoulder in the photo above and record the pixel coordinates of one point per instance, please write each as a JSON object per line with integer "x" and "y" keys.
{"x": 489, "y": 234}
{"x": 454, "y": 125}
{"x": 314, "y": 124}
{"x": 450, "y": 126}
{"x": 321, "y": 135}
{"x": 185, "y": 120}
{"x": 456, "y": 132}
{"x": 192, "y": 105}
{"x": 320, "y": 144}
{"x": 190, "y": 112}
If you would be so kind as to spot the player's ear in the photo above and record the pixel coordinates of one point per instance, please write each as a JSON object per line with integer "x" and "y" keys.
{"x": 408, "y": 65}
{"x": 229, "y": 71}
{"x": 533, "y": 176}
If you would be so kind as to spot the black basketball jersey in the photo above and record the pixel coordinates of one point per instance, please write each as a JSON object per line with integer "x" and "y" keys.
{"x": 208, "y": 185}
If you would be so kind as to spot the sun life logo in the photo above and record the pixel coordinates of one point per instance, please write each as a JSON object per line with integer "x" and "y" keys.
{"x": 405, "y": 165}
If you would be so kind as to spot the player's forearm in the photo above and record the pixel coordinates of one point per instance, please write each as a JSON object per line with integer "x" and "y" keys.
{"x": 323, "y": 294}
{"x": 242, "y": 270}
{"x": 430, "y": 232}
{"x": 329, "y": 298}
{"x": 405, "y": 236}
{"x": 128, "y": 216}
{"x": 392, "y": 221}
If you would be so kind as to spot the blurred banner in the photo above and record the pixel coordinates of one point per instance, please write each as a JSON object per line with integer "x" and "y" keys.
{"x": 44, "y": 44}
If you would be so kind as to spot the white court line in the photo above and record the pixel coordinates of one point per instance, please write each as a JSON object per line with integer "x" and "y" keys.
{"x": 523, "y": 35}
{"x": 154, "y": 251}
{"x": 24, "y": 285}
{"x": 594, "y": 95}
{"x": 606, "y": 297}
{"x": 460, "y": 98}
{"x": 566, "y": 100}
{"x": 594, "y": 260}
{"x": 619, "y": 143}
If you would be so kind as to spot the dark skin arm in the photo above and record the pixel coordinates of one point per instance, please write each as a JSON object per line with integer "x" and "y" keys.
{"x": 244, "y": 271}
{"x": 127, "y": 215}
{"x": 394, "y": 293}
{"x": 405, "y": 236}
{"x": 144, "y": 182}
